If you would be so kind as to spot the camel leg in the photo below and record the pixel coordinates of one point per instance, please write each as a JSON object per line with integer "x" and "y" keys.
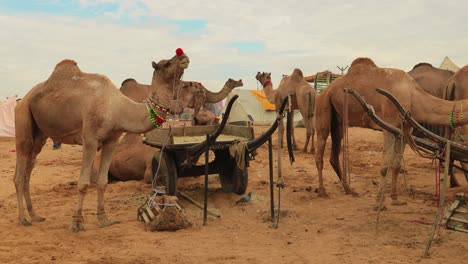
{"x": 322, "y": 135}
{"x": 90, "y": 146}
{"x": 396, "y": 166}
{"x": 39, "y": 141}
{"x": 310, "y": 131}
{"x": 106, "y": 158}
{"x": 27, "y": 148}
{"x": 391, "y": 158}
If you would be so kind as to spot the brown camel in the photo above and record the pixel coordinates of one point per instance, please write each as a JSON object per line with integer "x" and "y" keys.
{"x": 365, "y": 77}
{"x": 195, "y": 94}
{"x": 456, "y": 90}
{"x": 302, "y": 96}
{"x": 433, "y": 81}
{"x": 430, "y": 79}
{"x": 131, "y": 160}
{"x": 74, "y": 107}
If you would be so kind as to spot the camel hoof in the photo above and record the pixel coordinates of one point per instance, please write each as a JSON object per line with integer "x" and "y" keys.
{"x": 312, "y": 151}
{"x": 382, "y": 208}
{"x": 398, "y": 203}
{"x": 353, "y": 193}
{"x": 37, "y": 219}
{"x": 322, "y": 193}
{"x": 24, "y": 222}
{"x": 104, "y": 222}
{"x": 107, "y": 223}
{"x": 76, "y": 224}
{"x": 76, "y": 227}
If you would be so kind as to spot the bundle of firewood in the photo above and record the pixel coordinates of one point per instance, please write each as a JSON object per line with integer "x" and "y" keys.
{"x": 163, "y": 213}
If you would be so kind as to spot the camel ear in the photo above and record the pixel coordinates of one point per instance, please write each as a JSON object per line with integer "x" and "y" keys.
{"x": 155, "y": 65}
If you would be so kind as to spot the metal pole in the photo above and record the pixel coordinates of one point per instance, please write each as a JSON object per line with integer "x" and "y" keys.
{"x": 270, "y": 163}
{"x": 205, "y": 204}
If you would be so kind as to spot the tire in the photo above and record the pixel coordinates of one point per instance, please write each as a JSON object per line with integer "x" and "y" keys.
{"x": 233, "y": 179}
{"x": 169, "y": 174}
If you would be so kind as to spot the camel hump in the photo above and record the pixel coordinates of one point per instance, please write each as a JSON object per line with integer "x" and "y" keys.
{"x": 364, "y": 62}
{"x": 422, "y": 64}
{"x": 66, "y": 67}
{"x": 128, "y": 81}
{"x": 297, "y": 75}
{"x": 66, "y": 62}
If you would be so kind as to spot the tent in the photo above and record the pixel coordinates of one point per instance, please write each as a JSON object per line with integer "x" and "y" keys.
{"x": 252, "y": 106}
{"x": 7, "y": 117}
{"x": 447, "y": 64}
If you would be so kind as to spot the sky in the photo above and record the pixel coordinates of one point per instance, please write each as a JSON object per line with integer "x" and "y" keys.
{"x": 223, "y": 38}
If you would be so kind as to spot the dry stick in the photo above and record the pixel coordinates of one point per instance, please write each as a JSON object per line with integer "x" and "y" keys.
{"x": 197, "y": 204}
{"x": 383, "y": 183}
{"x": 435, "y": 225}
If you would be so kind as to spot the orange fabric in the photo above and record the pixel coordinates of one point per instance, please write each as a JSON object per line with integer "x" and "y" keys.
{"x": 260, "y": 95}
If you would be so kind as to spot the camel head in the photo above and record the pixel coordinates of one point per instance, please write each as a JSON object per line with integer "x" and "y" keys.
{"x": 173, "y": 68}
{"x": 231, "y": 84}
{"x": 264, "y": 78}
{"x": 205, "y": 117}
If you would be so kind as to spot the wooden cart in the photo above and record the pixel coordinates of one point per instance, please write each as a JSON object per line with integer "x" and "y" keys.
{"x": 181, "y": 147}
{"x": 175, "y": 141}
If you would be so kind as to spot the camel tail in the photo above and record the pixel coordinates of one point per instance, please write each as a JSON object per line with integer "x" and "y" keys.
{"x": 310, "y": 104}
{"x": 335, "y": 130}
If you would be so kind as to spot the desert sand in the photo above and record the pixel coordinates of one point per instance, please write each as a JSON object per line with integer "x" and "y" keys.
{"x": 338, "y": 229}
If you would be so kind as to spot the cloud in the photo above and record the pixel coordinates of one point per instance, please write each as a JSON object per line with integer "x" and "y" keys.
{"x": 232, "y": 39}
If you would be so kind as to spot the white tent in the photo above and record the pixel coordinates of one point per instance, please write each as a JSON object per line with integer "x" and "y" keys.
{"x": 7, "y": 117}
{"x": 447, "y": 64}
{"x": 248, "y": 108}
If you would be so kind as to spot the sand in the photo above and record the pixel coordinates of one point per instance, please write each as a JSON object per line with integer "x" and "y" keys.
{"x": 338, "y": 229}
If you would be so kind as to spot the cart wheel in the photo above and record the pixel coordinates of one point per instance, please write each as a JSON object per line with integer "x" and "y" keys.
{"x": 169, "y": 173}
{"x": 234, "y": 179}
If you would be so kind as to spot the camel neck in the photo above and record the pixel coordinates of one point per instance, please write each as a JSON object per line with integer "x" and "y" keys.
{"x": 172, "y": 81}
{"x": 437, "y": 111}
{"x": 136, "y": 118}
{"x": 212, "y": 97}
{"x": 269, "y": 92}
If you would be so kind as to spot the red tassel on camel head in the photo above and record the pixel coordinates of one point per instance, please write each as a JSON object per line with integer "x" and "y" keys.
{"x": 179, "y": 52}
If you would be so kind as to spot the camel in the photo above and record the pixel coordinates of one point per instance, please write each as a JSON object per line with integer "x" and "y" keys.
{"x": 74, "y": 107}
{"x": 197, "y": 96}
{"x": 302, "y": 96}
{"x": 365, "y": 77}
{"x": 433, "y": 81}
{"x": 456, "y": 90}
{"x": 131, "y": 160}
{"x": 201, "y": 98}
{"x": 205, "y": 117}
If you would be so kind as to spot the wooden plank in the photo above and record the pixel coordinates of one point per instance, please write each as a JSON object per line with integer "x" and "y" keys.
{"x": 458, "y": 218}
{"x": 149, "y": 211}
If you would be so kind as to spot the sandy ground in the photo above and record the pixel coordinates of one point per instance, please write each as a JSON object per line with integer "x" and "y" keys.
{"x": 338, "y": 229}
